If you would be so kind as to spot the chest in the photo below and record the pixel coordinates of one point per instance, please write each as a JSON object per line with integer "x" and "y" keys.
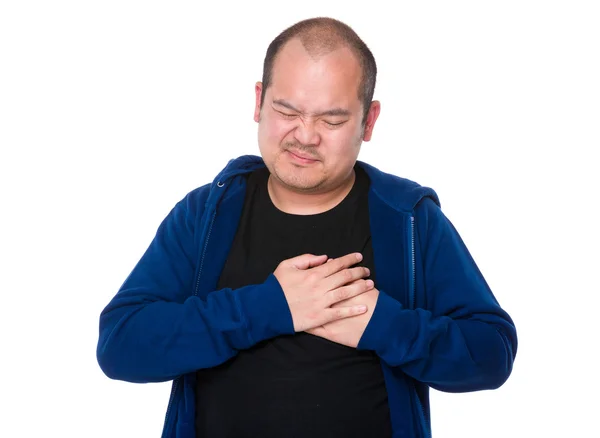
{"x": 243, "y": 248}
{"x": 262, "y": 241}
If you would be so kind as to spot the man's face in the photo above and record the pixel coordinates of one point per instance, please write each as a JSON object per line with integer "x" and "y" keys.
{"x": 310, "y": 124}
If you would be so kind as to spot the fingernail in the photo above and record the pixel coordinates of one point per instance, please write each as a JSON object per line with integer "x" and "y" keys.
{"x": 359, "y": 256}
{"x": 361, "y": 308}
{"x": 370, "y": 283}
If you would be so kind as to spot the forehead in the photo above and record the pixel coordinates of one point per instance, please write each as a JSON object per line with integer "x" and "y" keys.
{"x": 316, "y": 81}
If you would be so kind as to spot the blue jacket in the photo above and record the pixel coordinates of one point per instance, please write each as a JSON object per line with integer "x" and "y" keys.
{"x": 436, "y": 323}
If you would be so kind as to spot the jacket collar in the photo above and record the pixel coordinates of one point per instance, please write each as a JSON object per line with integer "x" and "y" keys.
{"x": 399, "y": 193}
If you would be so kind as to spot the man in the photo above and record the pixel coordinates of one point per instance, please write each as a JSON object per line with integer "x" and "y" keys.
{"x": 305, "y": 293}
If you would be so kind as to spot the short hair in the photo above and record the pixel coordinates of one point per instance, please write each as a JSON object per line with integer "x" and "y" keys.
{"x": 319, "y": 36}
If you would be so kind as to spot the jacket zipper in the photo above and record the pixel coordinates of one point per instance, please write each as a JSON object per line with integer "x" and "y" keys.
{"x": 413, "y": 294}
{"x": 176, "y": 382}
{"x": 412, "y": 263}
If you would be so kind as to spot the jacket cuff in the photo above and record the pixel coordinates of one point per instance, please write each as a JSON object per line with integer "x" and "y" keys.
{"x": 379, "y": 333}
{"x": 266, "y": 311}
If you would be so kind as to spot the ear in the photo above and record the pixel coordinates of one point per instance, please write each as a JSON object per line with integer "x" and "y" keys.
{"x": 258, "y": 90}
{"x": 372, "y": 115}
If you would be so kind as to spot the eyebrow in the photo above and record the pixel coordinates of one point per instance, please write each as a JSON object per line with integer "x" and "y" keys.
{"x": 332, "y": 112}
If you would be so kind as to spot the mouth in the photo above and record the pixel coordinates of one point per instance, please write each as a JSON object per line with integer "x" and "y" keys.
{"x": 300, "y": 157}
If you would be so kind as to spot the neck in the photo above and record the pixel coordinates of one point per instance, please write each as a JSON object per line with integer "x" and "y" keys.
{"x": 295, "y": 202}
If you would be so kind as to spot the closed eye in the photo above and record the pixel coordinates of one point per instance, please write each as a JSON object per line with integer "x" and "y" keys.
{"x": 287, "y": 116}
{"x": 334, "y": 124}
{"x": 293, "y": 116}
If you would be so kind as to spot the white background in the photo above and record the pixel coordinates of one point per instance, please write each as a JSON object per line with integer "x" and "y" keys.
{"x": 110, "y": 112}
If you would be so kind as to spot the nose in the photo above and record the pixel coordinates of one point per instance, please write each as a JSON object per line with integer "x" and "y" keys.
{"x": 306, "y": 133}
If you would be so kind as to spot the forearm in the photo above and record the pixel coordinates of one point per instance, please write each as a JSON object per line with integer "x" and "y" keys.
{"x": 157, "y": 341}
{"x": 454, "y": 355}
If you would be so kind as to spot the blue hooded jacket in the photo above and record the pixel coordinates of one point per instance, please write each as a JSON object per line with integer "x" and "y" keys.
{"x": 436, "y": 323}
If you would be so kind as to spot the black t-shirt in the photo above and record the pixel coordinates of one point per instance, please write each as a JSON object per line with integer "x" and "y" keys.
{"x": 296, "y": 385}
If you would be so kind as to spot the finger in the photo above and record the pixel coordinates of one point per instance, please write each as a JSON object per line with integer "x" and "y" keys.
{"x": 351, "y": 290}
{"x": 345, "y": 277}
{"x": 345, "y": 312}
{"x": 307, "y": 261}
{"x": 340, "y": 263}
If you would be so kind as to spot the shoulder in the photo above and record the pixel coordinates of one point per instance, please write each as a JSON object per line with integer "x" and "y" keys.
{"x": 192, "y": 205}
{"x": 400, "y": 193}
{"x": 197, "y": 197}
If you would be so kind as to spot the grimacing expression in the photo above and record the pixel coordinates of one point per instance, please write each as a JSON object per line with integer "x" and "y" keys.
{"x": 310, "y": 123}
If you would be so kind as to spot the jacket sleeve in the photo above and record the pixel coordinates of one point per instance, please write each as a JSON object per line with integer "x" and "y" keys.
{"x": 155, "y": 329}
{"x": 462, "y": 340}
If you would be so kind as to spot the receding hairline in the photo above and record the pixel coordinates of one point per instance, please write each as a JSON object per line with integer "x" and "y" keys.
{"x": 321, "y": 38}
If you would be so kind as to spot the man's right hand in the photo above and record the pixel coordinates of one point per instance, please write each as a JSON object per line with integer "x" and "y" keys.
{"x": 311, "y": 286}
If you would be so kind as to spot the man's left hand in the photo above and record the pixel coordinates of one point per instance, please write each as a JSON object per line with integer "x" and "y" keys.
{"x": 348, "y": 331}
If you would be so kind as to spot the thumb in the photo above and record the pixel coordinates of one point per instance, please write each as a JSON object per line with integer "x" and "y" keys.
{"x": 307, "y": 261}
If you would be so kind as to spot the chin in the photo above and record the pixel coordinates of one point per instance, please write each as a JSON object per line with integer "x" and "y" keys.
{"x": 297, "y": 178}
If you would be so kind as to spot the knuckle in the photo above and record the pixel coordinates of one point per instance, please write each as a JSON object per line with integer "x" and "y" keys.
{"x": 341, "y": 294}
{"x": 361, "y": 288}
{"x": 312, "y": 316}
